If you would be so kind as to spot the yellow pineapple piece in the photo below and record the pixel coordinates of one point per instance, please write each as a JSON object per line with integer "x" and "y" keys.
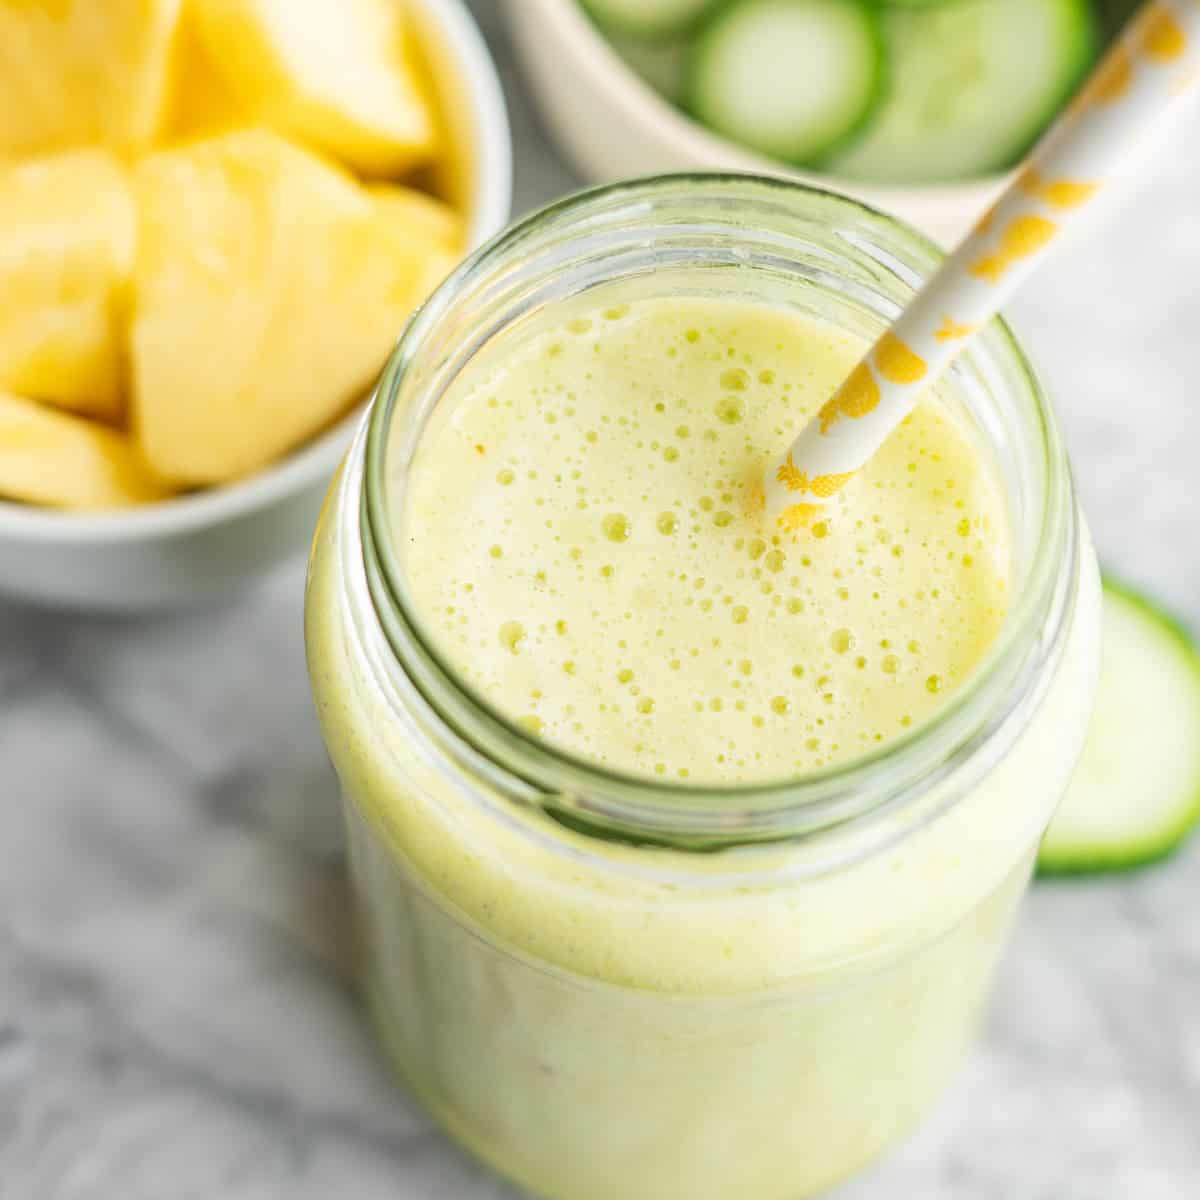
{"x": 64, "y": 461}
{"x": 425, "y": 216}
{"x": 269, "y": 288}
{"x": 67, "y": 236}
{"x": 82, "y": 71}
{"x": 335, "y": 75}
{"x": 200, "y": 100}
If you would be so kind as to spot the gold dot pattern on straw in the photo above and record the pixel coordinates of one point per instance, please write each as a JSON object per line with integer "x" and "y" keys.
{"x": 1024, "y": 237}
{"x": 857, "y": 397}
{"x": 896, "y": 362}
{"x": 1111, "y": 81}
{"x": 1060, "y": 193}
{"x": 1135, "y": 86}
{"x": 951, "y": 330}
{"x": 1164, "y": 39}
{"x": 821, "y": 485}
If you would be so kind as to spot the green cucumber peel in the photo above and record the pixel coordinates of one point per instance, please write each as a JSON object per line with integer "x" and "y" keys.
{"x": 1096, "y": 829}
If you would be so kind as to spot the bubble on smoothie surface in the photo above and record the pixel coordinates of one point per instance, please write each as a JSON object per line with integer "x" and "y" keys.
{"x": 512, "y": 634}
{"x": 603, "y": 574}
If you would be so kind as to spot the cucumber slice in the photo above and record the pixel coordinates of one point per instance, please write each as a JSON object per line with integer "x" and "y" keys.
{"x": 1136, "y": 791}
{"x": 788, "y": 78}
{"x": 649, "y": 20}
{"x": 972, "y": 84}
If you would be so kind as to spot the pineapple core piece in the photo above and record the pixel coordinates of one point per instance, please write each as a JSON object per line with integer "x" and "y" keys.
{"x": 67, "y": 238}
{"x": 60, "y": 460}
{"x": 269, "y": 288}
{"x": 83, "y": 71}
{"x": 336, "y": 76}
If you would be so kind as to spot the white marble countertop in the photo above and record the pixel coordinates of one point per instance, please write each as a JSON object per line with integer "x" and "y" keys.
{"x": 176, "y": 1019}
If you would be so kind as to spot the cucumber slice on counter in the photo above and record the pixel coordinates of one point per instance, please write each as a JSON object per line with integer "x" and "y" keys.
{"x": 648, "y": 20}
{"x": 788, "y": 78}
{"x": 1136, "y": 792}
{"x": 971, "y": 85}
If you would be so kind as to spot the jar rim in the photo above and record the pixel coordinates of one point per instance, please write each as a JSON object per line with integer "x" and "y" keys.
{"x": 990, "y": 707}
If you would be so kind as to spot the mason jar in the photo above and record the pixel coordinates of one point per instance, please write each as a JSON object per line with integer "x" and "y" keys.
{"x": 609, "y": 986}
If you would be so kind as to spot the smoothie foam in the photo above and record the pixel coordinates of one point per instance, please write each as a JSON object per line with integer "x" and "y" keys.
{"x": 585, "y": 539}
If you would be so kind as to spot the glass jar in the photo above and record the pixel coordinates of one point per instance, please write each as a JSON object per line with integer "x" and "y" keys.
{"x": 612, "y": 987}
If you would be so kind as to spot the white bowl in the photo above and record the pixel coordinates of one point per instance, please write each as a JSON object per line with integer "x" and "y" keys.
{"x": 613, "y": 125}
{"x": 196, "y": 547}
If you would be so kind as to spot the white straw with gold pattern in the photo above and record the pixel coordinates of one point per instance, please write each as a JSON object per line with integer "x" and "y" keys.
{"x": 1138, "y": 81}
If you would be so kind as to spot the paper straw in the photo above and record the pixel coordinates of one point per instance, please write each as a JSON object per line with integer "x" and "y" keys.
{"x": 1133, "y": 89}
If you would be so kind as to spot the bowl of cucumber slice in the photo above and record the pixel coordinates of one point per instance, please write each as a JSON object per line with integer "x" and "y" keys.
{"x": 920, "y": 107}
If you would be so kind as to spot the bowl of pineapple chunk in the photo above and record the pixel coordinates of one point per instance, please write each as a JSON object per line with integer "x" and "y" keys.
{"x": 216, "y": 217}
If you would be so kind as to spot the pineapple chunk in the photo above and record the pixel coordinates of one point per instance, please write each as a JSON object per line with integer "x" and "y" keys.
{"x": 201, "y": 100}
{"x": 269, "y": 288}
{"x": 82, "y": 71}
{"x": 60, "y": 460}
{"x": 67, "y": 238}
{"x": 336, "y": 76}
{"x": 424, "y": 215}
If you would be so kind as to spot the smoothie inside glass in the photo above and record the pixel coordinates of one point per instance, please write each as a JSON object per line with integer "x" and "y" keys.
{"x": 684, "y": 849}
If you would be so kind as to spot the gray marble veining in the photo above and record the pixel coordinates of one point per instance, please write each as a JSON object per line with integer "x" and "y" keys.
{"x": 176, "y": 1016}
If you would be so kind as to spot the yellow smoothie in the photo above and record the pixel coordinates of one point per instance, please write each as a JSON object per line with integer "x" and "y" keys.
{"x": 584, "y": 549}
{"x": 585, "y": 538}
